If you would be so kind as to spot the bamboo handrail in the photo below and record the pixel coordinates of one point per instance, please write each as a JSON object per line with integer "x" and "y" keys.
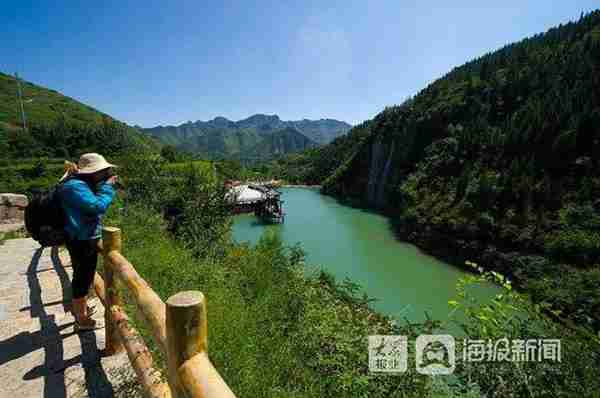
{"x": 111, "y": 243}
{"x": 100, "y": 289}
{"x": 211, "y": 384}
{"x": 188, "y": 344}
{"x": 179, "y": 328}
{"x": 140, "y": 357}
{"x": 149, "y": 304}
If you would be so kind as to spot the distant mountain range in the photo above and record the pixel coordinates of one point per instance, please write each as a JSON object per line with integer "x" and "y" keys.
{"x": 59, "y": 126}
{"x": 254, "y": 138}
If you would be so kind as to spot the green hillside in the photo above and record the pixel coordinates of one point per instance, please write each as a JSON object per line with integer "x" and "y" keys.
{"x": 221, "y": 143}
{"x": 496, "y": 162}
{"x": 280, "y": 142}
{"x": 59, "y": 126}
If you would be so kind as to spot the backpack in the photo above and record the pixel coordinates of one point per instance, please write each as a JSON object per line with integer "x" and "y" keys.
{"x": 45, "y": 217}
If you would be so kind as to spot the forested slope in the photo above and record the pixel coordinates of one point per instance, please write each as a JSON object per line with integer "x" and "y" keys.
{"x": 498, "y": 161}
{"x": 59, "y": 126}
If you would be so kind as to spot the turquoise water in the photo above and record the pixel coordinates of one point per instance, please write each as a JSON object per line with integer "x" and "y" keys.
{"x": 360, "y": 245}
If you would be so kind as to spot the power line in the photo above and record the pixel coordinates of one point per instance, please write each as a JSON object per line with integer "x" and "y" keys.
{"x": 20, "y": 99}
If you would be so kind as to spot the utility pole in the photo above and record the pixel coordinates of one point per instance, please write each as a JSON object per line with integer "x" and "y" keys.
{"x": 20, "y": 99}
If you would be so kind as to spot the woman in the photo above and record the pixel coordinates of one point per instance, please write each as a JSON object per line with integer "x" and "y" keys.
{"x": 86, "y": 193}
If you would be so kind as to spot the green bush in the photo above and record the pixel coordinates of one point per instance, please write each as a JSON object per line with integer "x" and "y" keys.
{"x": 583, "y": 216}
{"x": 25, "y": 177}
{"x": 486, "y": 222}
{"x": 574, "y": 243}
{"x": 572, "y": 294}
{"x": 513, "y": 316}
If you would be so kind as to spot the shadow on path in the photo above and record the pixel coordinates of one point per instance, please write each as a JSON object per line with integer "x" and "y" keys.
{"x": 49, "y": 338}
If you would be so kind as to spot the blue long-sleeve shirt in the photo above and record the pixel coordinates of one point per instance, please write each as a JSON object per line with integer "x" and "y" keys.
{"x": 84, "y": 208}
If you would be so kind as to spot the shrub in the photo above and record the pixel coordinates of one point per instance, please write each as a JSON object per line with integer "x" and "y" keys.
{"x": 485, "y": 222}
{"x": 512, "y": 316}
{"x": 578, "y": 244}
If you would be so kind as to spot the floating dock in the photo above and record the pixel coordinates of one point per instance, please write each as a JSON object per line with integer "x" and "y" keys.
{"x": 262, "y": 200}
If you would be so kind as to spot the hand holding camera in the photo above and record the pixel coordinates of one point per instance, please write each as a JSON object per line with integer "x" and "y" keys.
{"x": 112, "y": 180}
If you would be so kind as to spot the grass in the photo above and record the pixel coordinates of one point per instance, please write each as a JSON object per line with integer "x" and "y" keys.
{"x": 273, "y": 332}
{"x": 4, "y": 236}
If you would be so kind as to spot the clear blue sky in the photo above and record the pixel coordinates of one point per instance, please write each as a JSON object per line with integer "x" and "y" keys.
{"x": 165, "y": 62}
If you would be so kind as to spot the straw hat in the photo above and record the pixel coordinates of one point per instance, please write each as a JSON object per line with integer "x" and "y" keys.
{"x": 89, "y": 163}
{"x": 92, "y": 162}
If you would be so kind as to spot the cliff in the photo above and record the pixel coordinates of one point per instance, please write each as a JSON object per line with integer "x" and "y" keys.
{"x": 499, "y": 162}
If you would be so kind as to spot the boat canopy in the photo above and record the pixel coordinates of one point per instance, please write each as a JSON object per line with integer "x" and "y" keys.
{"x": 245, "y": 194}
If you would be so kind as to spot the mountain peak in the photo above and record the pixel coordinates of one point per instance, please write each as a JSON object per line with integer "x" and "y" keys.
{"x": 260, "y": 118}
{"x": 264, "y": 115}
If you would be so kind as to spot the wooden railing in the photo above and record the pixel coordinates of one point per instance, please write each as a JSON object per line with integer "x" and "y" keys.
{"x": 179, "y": 329}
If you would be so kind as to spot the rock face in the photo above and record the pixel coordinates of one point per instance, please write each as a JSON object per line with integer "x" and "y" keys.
{"x": 12, "y": 207}
{"x": 381, "y": 157}
{"x": 380, "y": 195}
{"x": 377, "y": 154}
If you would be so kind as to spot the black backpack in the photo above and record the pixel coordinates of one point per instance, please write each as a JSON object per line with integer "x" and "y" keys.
{"x": 45, "y": 217}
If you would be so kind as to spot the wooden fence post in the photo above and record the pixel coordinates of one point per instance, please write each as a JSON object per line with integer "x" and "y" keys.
{"x": 186, "y": 333}
{"x": 111, "y": 241}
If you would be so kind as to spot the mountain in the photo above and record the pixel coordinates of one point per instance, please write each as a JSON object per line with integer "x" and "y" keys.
{"x": 59, "y": 126}
{"x": 221, "y": 137}
{"x": 497, "y": 162}
{"x": 280, "y": 142}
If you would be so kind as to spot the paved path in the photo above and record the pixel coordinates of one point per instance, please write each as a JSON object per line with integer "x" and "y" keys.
{"x": 40, "y": 354}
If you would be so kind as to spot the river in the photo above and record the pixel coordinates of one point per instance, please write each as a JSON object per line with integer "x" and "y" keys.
{"x": 361, "y": 245}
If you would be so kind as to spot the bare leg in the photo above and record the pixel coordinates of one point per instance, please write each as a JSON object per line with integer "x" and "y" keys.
{"x": 80, "y": 313}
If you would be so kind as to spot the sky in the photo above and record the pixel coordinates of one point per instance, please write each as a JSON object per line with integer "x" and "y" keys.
{"x": 156, "y": 62}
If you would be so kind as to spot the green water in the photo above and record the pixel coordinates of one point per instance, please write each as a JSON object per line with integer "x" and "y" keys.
{"x": 360, "y": 245}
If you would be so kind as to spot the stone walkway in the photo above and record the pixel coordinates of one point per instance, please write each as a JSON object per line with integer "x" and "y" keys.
{"x": 10, "y": 226}
{"x": 40, "y": 354}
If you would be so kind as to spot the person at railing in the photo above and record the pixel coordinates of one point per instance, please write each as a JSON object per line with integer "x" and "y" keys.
{"x": 86, "y": 193}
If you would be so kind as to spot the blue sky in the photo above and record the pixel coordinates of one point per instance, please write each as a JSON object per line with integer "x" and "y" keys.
{"x": 156, "y": 62}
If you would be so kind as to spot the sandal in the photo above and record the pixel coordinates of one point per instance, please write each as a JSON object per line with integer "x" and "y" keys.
{"x": 85, "y": 324}
{"x": 90, "y": 309}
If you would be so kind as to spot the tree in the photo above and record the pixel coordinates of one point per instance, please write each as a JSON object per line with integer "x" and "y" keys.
{"x": 3, "y": 143}
{"x": 169, "y": 153}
